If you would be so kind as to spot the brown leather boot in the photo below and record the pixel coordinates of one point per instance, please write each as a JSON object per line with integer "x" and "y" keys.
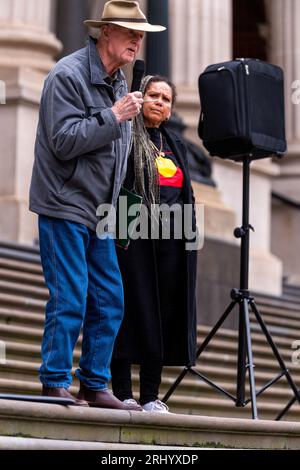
{"x": 59, "y": 392}
{"x": 104, "y": 399}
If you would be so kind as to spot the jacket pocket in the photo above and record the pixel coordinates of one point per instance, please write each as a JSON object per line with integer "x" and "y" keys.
{"x": 68, "y": 183}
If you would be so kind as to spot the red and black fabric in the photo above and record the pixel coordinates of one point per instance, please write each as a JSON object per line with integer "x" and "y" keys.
{"x": 159, "y": 279}
{"x": 169, "y": 170}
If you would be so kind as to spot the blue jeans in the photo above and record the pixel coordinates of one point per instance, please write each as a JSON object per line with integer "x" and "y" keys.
{"x": 84, "y": 281}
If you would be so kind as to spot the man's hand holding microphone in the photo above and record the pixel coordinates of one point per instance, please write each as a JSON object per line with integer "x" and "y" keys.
{"x": 130, "y": 105}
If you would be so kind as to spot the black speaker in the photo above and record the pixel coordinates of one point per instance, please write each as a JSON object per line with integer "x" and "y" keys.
{"x": 242, "y": 109}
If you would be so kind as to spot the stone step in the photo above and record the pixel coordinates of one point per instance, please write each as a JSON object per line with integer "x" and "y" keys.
{"x": 20, "y": 387}
{"x": 278, "y": 312}
{"x": 276, "y": 303}
{"x": 32, "y": 257}
{"x": 216, "y": 406}
{"x": 9, "y": 285}
{"x": 21, "y": 443}
{"x": 291, "y": 288}
{"x": 279, "y": 325}
{"x": 21, "y": 318}
{"x": 22, "y": 303}
{"x": 29, "y": 307}
{"x": 219, "y": 375}
{"x": 13, "y": 314}
{"x": 24, "y": 291}
{"x": 277, "y": 332}
{"x": 191, "y": 404}
{"x": 26, "y": 259}
{"x": 23, "y": 343}
{"x": 54, "y": 422}
{"x": 260, "y": 345}
{"x": 15, "y": 372}
{"x": 292, "y": 293}
{"x": 291, "y": 297}
{"x": 219, "y": 351}
{"x": 232, "y": 336}
{"x": 31, "y": 352}
{"x": 18, "y": 333}
{"x": 192, "y": 396}
{"x": 21, "y": 278}
{"x": 26, "y": 352}
{"x": 19, "y": 248}
{"x": 271, "y": 320}
{"x": 230, "y": 360}
{"x": 21, "y": 267}
{"x": 193, "y": 387}
{"x": 34, "y": 297}
{"x": 13, "y": 269}
{"x": 9, "y": 316}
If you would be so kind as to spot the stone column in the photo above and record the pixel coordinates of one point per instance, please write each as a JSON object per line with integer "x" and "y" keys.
{"x": 195, "y": 28}
{"x": 157, "y": 55}
{"x": 70, "y": 30}
{"x": 284, "y": 40}
{"x": 95, "y": 8}
{"x": 27, "y": 49}
{"x": 284, "y": 44}
{"x": 202, "y": 35}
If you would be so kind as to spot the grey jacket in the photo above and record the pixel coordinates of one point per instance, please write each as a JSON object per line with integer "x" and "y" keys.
{"x": 81, "y": 150}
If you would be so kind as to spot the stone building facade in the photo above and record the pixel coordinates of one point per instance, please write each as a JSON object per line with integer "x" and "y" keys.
{"x": 34, "y": 33}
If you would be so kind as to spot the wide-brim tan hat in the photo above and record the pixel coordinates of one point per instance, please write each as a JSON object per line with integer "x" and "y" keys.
{"x": 125, "y": 14}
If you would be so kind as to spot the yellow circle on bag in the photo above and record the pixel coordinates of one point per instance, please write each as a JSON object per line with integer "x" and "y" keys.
{"x": 166, "y": 167}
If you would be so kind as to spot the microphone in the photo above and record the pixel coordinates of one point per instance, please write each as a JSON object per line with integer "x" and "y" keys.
{"x": 138, "y": 73}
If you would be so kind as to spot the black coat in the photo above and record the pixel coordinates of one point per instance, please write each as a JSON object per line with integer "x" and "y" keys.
{"x": 145, "y": 334}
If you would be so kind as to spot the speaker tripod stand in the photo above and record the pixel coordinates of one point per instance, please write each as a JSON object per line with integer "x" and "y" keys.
{"x": 241, "y": 297}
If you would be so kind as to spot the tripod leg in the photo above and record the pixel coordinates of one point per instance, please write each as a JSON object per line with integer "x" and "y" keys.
{"x": 274, "y": 349}
{"x": 215, "y": 328}
{"x": 200, "y": 350}
{"x": 286, "y": 409}
{"x": 250, "y": 359}
{"x": 276, "y": 354}
{"x": 241, "y": 366}
{"x": 175, "y": 384}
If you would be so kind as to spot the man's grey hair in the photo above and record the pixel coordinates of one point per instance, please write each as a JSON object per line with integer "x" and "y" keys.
{"x": 100, "y": 35}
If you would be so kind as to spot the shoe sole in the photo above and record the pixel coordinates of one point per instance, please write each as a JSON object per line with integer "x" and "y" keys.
{"x": 97, "y": 405}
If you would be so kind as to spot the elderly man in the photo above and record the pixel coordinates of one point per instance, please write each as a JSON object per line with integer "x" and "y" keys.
{"x": 80, "y": 162}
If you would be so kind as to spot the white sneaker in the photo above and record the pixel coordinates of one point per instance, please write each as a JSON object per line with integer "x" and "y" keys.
{"x": 130, "y": 401}
{"x": 156, "y": 406}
